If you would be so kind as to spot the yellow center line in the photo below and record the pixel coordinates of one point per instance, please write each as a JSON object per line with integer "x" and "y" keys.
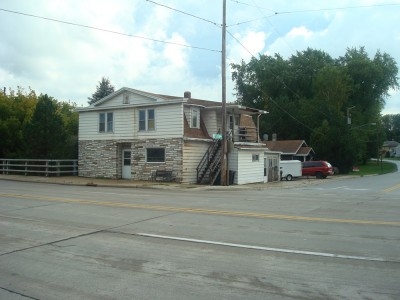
{"x": 392, "y": 188}
{"x": 202, "y": 210}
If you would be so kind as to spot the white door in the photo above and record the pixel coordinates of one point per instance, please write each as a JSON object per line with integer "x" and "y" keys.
{"x": 265, "y": 170}
{"x": 126, "y": 164}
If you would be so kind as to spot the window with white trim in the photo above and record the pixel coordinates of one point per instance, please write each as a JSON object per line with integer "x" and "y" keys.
{"x": 106, "y": 122}
{"x": 255, "y": 157}
{"x": 147, "y": 120}
{"x": 195, "y": 120}
{"x": 155, "y": 155}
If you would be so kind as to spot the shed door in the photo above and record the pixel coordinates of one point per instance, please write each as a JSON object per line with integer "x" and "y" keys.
{"x": 126, "y": 164}
{"x": 265, "y": 169}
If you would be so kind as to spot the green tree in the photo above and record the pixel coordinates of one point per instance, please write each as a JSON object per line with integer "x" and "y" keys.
{"x": 71, "y": 123}
{"x": 29, "y": 129}
{"x": 372, "y": 80}
{"x": 45, "y": 133}
{"x": 309, "y": 95}
{"x": 391, "y": 127}
{"x": 16, "y": 109}
{"x": 103, "y": 89}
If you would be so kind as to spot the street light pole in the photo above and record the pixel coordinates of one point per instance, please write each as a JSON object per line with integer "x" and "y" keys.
{"x": 349, "y": 115}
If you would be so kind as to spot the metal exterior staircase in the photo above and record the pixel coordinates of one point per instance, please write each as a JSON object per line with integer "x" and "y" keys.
{"x": 210, "y": 165}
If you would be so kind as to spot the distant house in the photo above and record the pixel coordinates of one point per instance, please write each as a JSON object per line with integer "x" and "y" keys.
{"x": 291, "y": 149}
{"x": 132, "y": 134}
{"x": 392, "y": 147}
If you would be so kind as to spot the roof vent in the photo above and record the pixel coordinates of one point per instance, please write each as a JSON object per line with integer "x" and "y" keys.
{"x": 187, "y": 95}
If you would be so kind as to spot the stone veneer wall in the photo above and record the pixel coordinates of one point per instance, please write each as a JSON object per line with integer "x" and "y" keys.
{"x": 142, "y": 170}
{"x": 98, "y": 159}
{"x": 102, "y": 158}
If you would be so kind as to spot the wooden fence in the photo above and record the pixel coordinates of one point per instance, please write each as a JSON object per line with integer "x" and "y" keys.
{"x": 39, "y": 167}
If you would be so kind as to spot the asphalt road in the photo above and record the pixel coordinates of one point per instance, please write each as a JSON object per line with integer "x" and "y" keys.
{"x": 338, "y": 239}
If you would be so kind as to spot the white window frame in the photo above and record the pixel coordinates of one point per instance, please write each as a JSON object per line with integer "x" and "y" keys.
{"x": 255, "y": 157}
{"x": 149, "y": 123}
{"x": 195, "y": 118}
{"x": 108, "y": 125}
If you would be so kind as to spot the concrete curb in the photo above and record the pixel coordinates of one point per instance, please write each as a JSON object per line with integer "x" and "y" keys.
{"x": 119, "y": 183}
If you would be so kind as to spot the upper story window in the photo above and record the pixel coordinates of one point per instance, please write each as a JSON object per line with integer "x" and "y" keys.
{"x": 195, "y": 120}
{"x": 255, "y": 157}
{"x": 147, "y": 119}
{"x": 106, "y": 122}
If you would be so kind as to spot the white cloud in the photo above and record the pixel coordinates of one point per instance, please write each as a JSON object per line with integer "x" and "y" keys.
{"x": 392, "y": 103}
{"x": 175, "y": 54}
{"x": 251, "y": 43}
{"x": 299, "y": 32}
{"x": 67, "y": 61}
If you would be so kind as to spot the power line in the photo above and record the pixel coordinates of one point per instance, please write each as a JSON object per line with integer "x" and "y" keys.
{"x": 284, "y": 84}
{"x": 335, "y": 8}
{"x": 250, "y": 21}
{"x": 247, "y": 4}
{"x": 270, "y": 98}
{"x": 275, "y": 13}
{"x": 185, "y": 13}
{"x": 272, "y": 25}
{"x": 107, "y": 30}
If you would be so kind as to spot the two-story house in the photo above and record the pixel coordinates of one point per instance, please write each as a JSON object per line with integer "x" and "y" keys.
{"x": 131, "y": 134}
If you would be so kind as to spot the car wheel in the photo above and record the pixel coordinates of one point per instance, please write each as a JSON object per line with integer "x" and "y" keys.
{"x": 319, "y": 175}
{"x": 289, "y": 177}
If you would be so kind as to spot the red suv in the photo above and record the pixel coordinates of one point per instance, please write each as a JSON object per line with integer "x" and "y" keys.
{"x": 320, "y": 169}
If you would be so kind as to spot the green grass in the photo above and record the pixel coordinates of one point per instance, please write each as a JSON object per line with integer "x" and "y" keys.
{"x": 394, "y": 158}
{"x": 372, "y": 167}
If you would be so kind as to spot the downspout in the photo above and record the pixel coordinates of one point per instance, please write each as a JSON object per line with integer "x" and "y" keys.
{"x": 258, "y": 128}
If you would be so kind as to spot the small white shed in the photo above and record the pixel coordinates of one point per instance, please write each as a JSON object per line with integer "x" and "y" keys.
{"x": 246, "y": 164}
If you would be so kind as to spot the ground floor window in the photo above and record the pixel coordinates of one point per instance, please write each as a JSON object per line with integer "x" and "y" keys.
{"x": 155, "y": 155}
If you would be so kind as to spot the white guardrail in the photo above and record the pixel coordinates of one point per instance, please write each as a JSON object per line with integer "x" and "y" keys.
{"x": 39, "y": 167}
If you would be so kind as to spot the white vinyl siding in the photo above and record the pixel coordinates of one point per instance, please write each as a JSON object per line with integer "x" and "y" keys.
{"x": 122, "y": 126}
{"x": 168, "y": 124}
{"x": 248, "y": 171}
{"x": 193, "y": 152}
{"x": 211, "y": 118}
{"x": 133, "y": 99}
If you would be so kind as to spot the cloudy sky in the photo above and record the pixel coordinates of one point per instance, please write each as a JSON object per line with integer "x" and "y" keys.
{"x": 138, "y": 43}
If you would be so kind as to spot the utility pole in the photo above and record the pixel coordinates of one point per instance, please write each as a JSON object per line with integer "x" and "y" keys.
{"x": 223, "y": 66}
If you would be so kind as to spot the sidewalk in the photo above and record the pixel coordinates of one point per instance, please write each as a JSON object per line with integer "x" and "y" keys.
{"x": 124, "y": 183}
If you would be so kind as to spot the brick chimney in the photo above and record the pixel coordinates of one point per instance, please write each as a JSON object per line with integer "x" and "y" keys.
{"x": 187, "y": 95}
